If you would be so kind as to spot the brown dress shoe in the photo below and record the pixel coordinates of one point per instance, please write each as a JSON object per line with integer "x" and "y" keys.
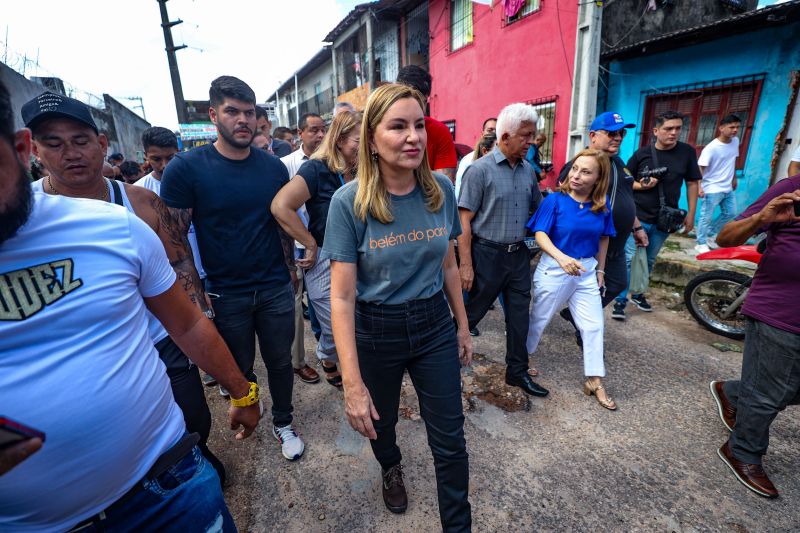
{"x": 727, "y": 412}
{"x": 307, "y": 374}
{"x": 394, "y": 490}
{"x": 751, "y": 476}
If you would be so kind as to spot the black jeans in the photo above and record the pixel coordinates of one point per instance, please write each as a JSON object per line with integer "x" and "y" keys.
{"x": 418, "y": 336}
{"x": 500, "y": 272}
{"x": 268, "y": 315}
{"x": 770, "y": 381}
{"x": 616, "y": 276}
{"x": 187, "y": 389}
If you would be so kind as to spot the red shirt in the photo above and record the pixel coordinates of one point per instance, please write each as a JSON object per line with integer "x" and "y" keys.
{"x": 441, "y": 148}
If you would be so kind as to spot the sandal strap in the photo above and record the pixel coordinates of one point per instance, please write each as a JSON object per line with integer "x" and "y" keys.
{"x": 329, "y": 370}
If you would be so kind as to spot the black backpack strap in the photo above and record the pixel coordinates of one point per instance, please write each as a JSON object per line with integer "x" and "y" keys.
{"x": 654, "y": 157}
{"x": 117, "y": 192}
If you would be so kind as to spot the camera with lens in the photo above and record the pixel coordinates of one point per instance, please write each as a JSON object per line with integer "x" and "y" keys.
{"x": 646, "y": 174}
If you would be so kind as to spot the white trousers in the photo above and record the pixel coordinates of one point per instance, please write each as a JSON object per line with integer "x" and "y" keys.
{"x": 552, "y": 289}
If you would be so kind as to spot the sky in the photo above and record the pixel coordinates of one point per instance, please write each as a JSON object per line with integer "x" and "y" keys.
{"x": 117, "y": 46}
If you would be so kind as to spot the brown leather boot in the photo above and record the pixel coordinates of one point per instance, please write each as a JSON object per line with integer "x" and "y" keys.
{"x": 394, "y": 490}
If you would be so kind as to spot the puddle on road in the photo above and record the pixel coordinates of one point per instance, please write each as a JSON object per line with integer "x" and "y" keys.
{"x": 485, "y": 380}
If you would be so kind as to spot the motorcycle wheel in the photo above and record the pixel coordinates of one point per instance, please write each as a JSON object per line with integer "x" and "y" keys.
{"x": 709, "y": 294}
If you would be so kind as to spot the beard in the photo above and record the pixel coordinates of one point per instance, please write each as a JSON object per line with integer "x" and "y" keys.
{"x": 233, "y": 141}
{"x": 17, "y": 208}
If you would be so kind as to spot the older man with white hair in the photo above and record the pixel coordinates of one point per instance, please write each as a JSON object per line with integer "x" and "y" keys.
{"x": 498, "y": 194}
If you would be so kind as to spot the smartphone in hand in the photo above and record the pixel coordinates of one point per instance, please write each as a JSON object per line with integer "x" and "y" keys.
{"x": 12, "y": 432}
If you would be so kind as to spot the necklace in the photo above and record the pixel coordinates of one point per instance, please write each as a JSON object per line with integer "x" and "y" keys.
{"x": 580, "y": 203}
{"x": 103, "y": 195}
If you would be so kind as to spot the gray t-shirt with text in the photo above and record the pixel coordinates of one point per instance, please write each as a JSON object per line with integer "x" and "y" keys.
{"x": 399, "y": 261}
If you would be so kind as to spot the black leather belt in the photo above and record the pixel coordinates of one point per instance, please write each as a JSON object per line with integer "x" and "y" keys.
{"x": 513, "y": 247}
{"x": 167, "y": 460}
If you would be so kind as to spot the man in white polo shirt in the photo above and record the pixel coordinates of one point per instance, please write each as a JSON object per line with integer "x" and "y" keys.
{"x": 78, "y": 365}
{"x": 717, "y": 164}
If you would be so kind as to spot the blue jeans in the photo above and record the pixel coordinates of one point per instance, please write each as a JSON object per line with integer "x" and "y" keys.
{"x": 268, "y": 315}
{"x": 419, "y": 337}
{"x": 705, "y": 226}
{"x": 187, "y": 497}
{"x": 656, "y": 241}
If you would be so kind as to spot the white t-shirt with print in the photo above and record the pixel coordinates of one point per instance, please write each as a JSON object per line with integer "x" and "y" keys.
{"x": 719, "y": 160}
{"x": 76, "y": 360}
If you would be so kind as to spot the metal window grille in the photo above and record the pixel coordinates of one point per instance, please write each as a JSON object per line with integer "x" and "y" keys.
{"x": 703, "y": 104}
{"x": 417, "y": 37}
{"x": 546, "y": 109}
{"x": 530, "y": 6}
{"x": 460, "y": 24}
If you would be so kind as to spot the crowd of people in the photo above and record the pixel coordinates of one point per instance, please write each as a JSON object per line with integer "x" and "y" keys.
{"x": 112, "y": 311}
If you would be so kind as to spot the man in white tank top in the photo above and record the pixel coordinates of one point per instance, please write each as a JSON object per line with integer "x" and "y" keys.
{"x": 78, "y": 363}
{"x": 72, "y": 151}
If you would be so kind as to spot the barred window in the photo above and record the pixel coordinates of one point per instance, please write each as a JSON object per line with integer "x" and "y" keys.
{"x": 530, "y": 6}
{"x": 460, "y": 24}
{"x": 703, "y": 105}
{"x": 546, "y": 109}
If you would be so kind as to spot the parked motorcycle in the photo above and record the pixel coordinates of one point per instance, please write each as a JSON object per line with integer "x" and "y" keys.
{"x": 715, "y": 298}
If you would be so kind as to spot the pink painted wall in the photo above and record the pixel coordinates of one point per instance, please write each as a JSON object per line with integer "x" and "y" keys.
{"x": 518, "y": 62}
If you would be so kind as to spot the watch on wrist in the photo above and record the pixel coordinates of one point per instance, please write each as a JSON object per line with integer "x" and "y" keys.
{"x": 250, "y": 399}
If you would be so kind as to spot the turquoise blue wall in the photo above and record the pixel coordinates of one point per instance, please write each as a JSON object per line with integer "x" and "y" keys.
{"x": 774, "y": 52}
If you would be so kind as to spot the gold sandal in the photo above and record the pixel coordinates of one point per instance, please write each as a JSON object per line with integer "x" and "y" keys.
{"x": 589, "y": 390}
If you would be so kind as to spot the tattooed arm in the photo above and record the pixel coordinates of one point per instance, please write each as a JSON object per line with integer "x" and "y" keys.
{"x": 172, "y": 227}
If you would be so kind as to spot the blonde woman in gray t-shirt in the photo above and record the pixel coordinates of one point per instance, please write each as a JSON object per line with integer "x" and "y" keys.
{"x": 390, "y": 239}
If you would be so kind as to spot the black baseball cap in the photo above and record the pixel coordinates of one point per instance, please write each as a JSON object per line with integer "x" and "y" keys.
{"x": 52, "y": 105}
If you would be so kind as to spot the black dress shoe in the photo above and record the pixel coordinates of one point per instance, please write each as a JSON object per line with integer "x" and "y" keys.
{"x": 528, "y": 385}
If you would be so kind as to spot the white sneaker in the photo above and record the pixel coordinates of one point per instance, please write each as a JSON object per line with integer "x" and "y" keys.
{"x": 712, "y": 243}
{"x": 702, "y": 248}
{"x": 291, "y": 444}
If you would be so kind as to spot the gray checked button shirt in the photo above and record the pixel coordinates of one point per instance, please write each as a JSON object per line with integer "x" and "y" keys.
{"x": 501, "y": 197}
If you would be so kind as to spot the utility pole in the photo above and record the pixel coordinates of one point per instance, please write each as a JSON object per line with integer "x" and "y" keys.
{"x": 177, "y": 89}
{"x": 584, "y": 85}
{"x": 140, "y": 106}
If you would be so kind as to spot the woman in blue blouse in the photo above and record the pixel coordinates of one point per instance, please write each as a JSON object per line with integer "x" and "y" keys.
{"x": 572, "y": 227}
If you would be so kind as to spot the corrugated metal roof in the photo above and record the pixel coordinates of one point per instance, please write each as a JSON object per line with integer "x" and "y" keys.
{"x": 353, "y": 16}
{"x": 319, "y": 59}
{"x": 774, "y": 15}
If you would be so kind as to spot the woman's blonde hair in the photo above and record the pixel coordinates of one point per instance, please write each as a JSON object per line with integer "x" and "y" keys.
{"x": 372, "y": 197}
{"x": 600, "y": 187}
{"x": 343, "y": 124}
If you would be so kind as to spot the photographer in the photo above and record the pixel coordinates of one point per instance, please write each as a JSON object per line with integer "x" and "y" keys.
{"x": 660, "y": 170}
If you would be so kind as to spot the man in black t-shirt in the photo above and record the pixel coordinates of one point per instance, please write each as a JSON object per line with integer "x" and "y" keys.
{"x": 606, "y": 134}
{"x": 680, "y": 160}
{"x": 225, "y": 189}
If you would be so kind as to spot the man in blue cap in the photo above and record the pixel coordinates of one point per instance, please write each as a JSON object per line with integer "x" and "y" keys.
{"x": 606, "y": 134}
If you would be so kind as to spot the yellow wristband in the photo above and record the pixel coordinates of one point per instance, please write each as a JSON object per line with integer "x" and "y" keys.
{"x": 250, "y": 399}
